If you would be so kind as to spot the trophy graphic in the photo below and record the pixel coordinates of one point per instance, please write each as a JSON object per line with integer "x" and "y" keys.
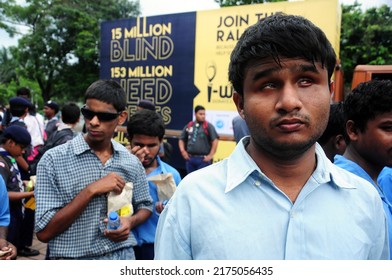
{"x": 210, "y": 72}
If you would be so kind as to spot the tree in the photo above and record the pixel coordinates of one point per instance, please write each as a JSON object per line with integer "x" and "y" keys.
{"x": 227, "y": 3}
{"x": 4, "y": 23}
{"x": 366, "y": 37}
{"x": 61, "y": 49}
{"x": 7, "y": 74}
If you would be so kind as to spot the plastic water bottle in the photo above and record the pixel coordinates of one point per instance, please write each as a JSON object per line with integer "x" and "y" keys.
{"x": 114, "y": 221}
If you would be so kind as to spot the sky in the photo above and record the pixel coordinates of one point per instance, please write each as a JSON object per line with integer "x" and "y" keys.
{"x": 159, "y": 7}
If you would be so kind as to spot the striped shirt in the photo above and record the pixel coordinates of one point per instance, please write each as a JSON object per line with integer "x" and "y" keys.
{"x": 66, "y": 170}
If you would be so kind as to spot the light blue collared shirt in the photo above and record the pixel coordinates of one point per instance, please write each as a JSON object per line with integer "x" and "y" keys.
{"x": 353, "y": 167}
{"x": 231, "y": 210}
{"x": 145, "y": 232}
{"x": 385, "y": 182}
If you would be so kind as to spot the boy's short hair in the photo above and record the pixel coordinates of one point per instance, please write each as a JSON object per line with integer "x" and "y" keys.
{"x": 70, "y": 113}
{"x": 367, "y": 101}
{"x": 279, "y": 36}
{"x": 23, "y": 91}
{"x": 198, "y": 108}
{"x": 107, "y": 91}
{"x": 336, "y": 124}
{"x": 146, "y": 122}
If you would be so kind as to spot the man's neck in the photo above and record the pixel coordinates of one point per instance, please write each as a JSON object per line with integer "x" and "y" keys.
{"x": 151, "y": 167}
{"x": 289, "y": 175}
{"x": 103, "y": 150}
{"x": 371, "y": 169}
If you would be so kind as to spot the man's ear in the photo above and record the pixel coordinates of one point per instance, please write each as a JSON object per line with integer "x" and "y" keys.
{"x": 352, "y": 130}
{"x": 10, "y": 143}
{"x": 123, "y": 116}
{"x": 239, "y": 103}
{"x": 340, "y": 144}
{"x": 332, "y": 87}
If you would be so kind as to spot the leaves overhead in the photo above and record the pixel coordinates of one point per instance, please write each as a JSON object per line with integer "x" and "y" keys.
{"x": 366, "y": 37}
{"x": 61, "y": 48}
{"x": 227, "y": 3}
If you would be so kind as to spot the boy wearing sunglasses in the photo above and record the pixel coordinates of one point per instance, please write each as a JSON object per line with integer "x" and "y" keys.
{"x": 74, "y": 179}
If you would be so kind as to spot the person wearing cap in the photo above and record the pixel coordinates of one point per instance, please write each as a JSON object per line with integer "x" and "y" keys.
{"x": 13, "y": 144}
{"x": 35, "y": 125}
{"x": 51, "y": 109}
{"x": 19, "y": 108}
{"x": 145, "y": 104}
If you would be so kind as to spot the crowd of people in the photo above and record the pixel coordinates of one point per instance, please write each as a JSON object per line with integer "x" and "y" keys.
{"x": 307, "y": 179}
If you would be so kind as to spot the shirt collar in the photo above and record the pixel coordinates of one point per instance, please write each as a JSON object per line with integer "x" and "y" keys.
{"x": 81, "y": 146}
{"x": 326, "y": 171}
{"x": 240, "y": 166}
{"x": 14, "y": 119}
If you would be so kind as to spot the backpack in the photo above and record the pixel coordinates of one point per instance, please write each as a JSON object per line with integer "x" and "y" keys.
{"x": 204, "y": 125}
{"x": 10, "y": 174}
{"x": 57, "y": 138}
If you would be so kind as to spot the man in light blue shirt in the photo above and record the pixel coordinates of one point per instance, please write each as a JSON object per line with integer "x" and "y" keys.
{"x": 368, "y": 117}
{"x": 277, "y": 196}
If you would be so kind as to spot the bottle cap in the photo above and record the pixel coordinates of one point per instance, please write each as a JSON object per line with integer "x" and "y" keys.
{"x": 113, "y": 216}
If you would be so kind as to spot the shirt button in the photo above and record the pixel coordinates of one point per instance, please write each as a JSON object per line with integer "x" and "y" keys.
{"x": 257, "y": 183}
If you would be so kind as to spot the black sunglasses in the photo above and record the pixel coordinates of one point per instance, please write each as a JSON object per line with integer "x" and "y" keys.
{"x": 102, "y": 116}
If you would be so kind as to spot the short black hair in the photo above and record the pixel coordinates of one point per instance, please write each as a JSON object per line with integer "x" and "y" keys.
{"x": 23, "y": 91}
{"x": 279, "y": 36}
{"x": 367, "y": 101}
{"x": 146, "y": 122}
{"x": 70, "y": 113}
{"x": 107, "y": 91}
{"x": 198, "y": 108}
{"x": 336, "y": 124}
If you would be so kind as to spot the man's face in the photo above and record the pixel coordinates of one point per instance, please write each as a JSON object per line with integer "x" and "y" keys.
{"x": 49, "y": 112}
{"x": 375, "y": 143}
{"x": 200, "y": 116}
{"x": 100, "y": 130}
{"x": 286, "y": 108}
{"x": 150, "y": 144}
{"x": 16, "y": 149}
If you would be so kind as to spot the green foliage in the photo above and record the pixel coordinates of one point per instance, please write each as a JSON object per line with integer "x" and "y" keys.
{"x": 366, "y": 37}
{"x": 61, "y": 49}
{"x": 8, "y": 91}
{"x": 4, "y": 23}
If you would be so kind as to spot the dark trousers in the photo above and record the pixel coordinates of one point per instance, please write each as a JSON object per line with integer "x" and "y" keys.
{"x": 196, "y": 162}
{"x": 26, "y": 237}
{"x": 21, "y": 227}
{"x": 15, "y": 226}
{"x": 144, "y": 252}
